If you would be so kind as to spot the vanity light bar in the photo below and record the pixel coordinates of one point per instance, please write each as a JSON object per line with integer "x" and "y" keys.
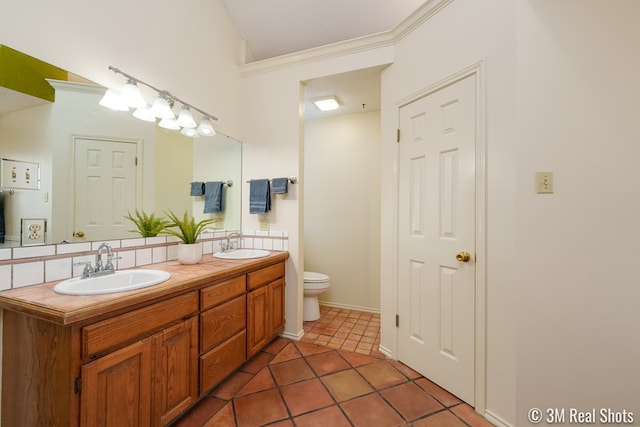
{"x": 162, "y": 93}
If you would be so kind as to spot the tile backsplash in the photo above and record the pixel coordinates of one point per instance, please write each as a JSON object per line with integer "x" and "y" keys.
{"x": 26, "y": 266}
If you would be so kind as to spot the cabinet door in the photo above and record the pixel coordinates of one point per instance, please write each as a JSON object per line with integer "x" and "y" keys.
{"x": 276, "y": 307}
{"x": 175, "y": 370}
{"x": 116, "y": 388}
{"x": 257, "y": 320}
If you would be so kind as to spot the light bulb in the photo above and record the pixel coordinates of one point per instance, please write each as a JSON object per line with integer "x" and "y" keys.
{"x": 131, "y": 95}
{"x": 169, "y": 124}
{"x": 161, "y": 108}
{"x": 185, "y": 118}
{"x": 144, "y": 113}
{"x": 190, "y": 132}
{"x": 113, "y": 100}
{"x": 205, "y": 128}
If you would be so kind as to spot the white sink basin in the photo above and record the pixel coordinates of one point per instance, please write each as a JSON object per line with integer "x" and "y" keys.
{"x": 242, "y": 254}
{"x": 120, "y": 281}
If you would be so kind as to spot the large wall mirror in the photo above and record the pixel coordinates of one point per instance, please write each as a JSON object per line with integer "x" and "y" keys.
{"x": 63, "y": 141}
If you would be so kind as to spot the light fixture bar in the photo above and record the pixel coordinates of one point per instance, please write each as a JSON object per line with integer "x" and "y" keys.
{"x": 163, "y": 92}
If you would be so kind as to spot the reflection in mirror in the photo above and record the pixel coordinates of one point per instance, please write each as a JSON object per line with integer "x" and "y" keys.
{"x": 78, "y": 146}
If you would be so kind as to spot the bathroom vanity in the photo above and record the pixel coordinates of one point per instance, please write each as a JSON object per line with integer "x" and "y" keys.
{"x": 143, "y": 356}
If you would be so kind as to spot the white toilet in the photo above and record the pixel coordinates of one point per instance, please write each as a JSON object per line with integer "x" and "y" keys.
{"x": 314, "y": 284}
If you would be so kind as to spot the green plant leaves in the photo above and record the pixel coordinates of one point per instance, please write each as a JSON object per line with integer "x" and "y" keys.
{"x": 186, "y": 229}
{"x": 147, "y": 225}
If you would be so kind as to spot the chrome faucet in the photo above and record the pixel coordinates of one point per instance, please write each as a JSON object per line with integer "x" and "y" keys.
{"x": 228, "y": 246}
{"x": 99, "y": 269}
{"x": 108, "y": 268}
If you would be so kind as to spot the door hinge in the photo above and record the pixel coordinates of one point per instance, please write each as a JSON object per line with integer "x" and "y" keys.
{"x": 77, "y": 385}
{"x": 397, "y": 320}
{"x": 397, "y": 135}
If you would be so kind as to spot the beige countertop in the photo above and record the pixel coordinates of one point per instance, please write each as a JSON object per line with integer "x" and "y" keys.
{"x": 42, "y": 302}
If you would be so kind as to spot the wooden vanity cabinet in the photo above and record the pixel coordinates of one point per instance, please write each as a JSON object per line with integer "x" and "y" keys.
{"x": 142, "y": 366}
{"x": 265, "y": 306}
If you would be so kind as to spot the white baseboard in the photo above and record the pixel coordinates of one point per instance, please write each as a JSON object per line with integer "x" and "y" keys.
{"x": 350, "y": 307}
{"x": 295, "y": 337}
{"x": 385, "y": 351}
{"x": 496, "y": 420}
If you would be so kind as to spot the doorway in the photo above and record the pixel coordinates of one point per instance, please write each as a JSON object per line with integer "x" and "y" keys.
{"x": 341, "y": 190}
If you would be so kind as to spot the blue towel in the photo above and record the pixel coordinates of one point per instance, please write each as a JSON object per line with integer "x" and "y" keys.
{"x": 213, "y": 197}
{"x": 259, "y": 196}
{"x": 280, "y": 185}
{"x": 197, "y": 188}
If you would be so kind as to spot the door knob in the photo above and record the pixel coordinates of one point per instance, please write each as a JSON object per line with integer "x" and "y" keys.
{"x": 79, "y": 234}
{"x": 463, "y": 256}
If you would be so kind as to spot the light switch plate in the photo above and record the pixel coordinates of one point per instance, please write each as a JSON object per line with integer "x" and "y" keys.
{"x": 19, "y": 175}
{"x": 544, "y": 182}
{"x": 33, "y": 231}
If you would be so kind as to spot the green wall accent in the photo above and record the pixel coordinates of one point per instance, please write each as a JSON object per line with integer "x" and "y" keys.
{"x": 26, "y": 74}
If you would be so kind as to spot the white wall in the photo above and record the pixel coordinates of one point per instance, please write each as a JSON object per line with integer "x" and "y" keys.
{"x": 24, "y": 136}
{"x": 578, "y": 317}
{"x": 342, "y": 207}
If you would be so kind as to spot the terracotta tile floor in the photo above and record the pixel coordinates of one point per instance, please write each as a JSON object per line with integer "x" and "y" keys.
{"x": 346, "y": 330}
{"x": 331, "y": 378}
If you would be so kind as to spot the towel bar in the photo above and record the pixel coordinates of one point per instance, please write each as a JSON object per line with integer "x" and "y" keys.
{"x": 292, "y": 180}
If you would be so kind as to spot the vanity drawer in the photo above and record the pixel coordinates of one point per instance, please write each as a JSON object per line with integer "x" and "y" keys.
{"x": 265, "y": 275}
{"x": 222, "y": 291}
{"x": 218, "y": 363}
{"x": 223, "y": 321}
{"x": 114, "y": 332}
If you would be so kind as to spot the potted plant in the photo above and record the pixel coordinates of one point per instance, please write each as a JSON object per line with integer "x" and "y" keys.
{"x": 187, "y": 230}
{"x": 147, "y": 225}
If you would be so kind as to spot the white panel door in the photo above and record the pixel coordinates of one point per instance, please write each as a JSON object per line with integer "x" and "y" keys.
{"x": 105, "y": 188}
{"x": 436, "y": 291}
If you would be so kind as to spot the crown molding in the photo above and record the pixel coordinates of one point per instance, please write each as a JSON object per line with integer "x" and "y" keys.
{"x": 321, "y": 53}
{"x": 76, "y": 86}
{"x": 348, "y": 47}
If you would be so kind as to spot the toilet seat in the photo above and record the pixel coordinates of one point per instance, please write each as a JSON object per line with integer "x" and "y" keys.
{"x": 313, "y": 277}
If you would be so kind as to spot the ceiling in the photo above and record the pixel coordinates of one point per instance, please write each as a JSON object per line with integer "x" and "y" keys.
{"x": 277, "y": 27}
